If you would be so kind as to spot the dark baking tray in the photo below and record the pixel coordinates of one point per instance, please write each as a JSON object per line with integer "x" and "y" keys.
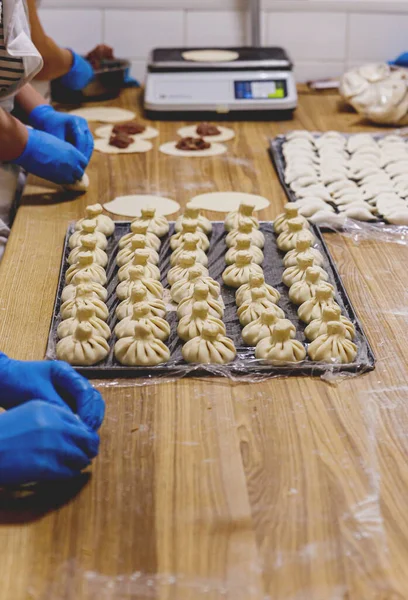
{"x": 245, "y": 364}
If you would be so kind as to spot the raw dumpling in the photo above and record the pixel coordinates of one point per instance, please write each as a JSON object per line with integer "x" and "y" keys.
{"x": 243, "y": 244}
{"x": 239, "y": 273}
{"x": 136, "y": 278}
{"x": 84, "y": 314}
{"x": 325, "y": 218}
{"x": 252, "y": 309}
{"x": 256, "y": 282}
{"x": 290, "y": 212}
{"x": 201, "y": 293}
{"x": 281, "y": 347}
{"x": 308, "y": 209}
{"x": 138, "y": 295}
{"x": 287, "y": 239}
{"x": 262, "y": 328}
{"x": 141, "y": 314}
{"x": 300, "y": 134}
{"x": 333, "y": 346}
{"x": 84, "y": 296}
{"x": 82, "y": 348}
{"x": 318, "y": 327}
{"x": 358, "y": 212}
{"x": 190, "y": 246}
{"x": 157, "y": 225}
{"x": 191, "y": 212}
{"x": 140, "y": 258}
{"x": 189, "y": 226}
{"x": 104, "y": 224}
{"x": 313, "y": 309}
{"x": 211, "y": 347}
{"x": 246, "y": 227}
{"x": 141, "y": 349}
{"x": 305, "y": 289}
{"x": 303, "y": 246}
{"x": 318, "y": 191}
{"x": 137, "y": 242}
{"x": 89, "y": 243}
{"x": 292, "y": 275}
{"x": 86, "y": 264}
{"x": 193, "y": 324}
{"x": 185, "y": 287}
{"x": 88, "y": 227}
{"x": 69, "y": 292}
{"x": 140, "y": 228}
{"x": 234, "y": 218}
{"x": 181, "y": 271}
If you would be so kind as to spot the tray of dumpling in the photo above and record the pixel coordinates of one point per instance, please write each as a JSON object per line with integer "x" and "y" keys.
{"x": 240, "y": 298}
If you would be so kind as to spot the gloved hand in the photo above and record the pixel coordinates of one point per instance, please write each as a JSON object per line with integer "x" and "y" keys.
{"x": 41, "y": 442}
{"x": 65, "y": 127}
{"x": 80, "y": 74}
{"x": 53, "y": 382}
{"x": 130, "y": 81}
{"x": 51, "y": 158}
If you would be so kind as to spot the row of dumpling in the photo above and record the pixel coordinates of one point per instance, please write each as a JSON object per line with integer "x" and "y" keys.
{"x": 200, "y": 308}
{"x": 329, "y": 332}
{"x": 83, "y": 331}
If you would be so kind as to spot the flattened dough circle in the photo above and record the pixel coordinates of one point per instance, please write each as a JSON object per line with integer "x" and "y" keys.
{"x": 102, "y": 145}
{"x": 228, "y": 201}
{"x": 191, "y": 131}
{"x": 210, "y": 55}
{"x": 104, "y": 114}
{"x": 105, "y": 132}
{"x": 130, "y": 206}
{"x": 171, "y": 150}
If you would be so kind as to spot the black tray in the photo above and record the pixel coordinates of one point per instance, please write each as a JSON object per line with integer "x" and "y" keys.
{"x": 245, "y": 363}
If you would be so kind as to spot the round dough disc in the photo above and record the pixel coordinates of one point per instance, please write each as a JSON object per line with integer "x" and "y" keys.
{"x": 79, "y": 186}
{"x": 228, "y": 201}
{"x": 171, "y": 150}
{"x": 106, "y": 131}
{"x": 130, "y": 206}
{"x": 104, "y": 114}
{"x": 102, "y": 145}
{"x": 210, "y": 55}
{"x": 191, "y": 131}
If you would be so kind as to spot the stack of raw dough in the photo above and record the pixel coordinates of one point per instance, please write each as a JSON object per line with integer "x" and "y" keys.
{"x": 359, "y": 176}
{"x": 200, "y": 308}
{"x": 328, "y": 330}
{"x": 83, "y": 331}
{"x": 142, "y": 328}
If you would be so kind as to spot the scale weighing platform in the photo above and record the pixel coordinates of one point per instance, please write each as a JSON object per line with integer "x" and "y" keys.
{"x": 253, "y": 83}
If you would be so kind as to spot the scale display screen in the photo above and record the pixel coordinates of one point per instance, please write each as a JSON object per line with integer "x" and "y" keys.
{"x": 260, "y": 90}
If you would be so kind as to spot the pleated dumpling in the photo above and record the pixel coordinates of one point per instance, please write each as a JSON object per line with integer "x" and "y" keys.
{"x": 211, "y": 347}
{"x": 333, "y": 346}
{"x": 136, "y": 278}
{"x": 290, "y": 212}
{"x": 84, "y": 314}
{"x": 287, "y": 239}
{"x": 137, "y": 295}
{"x": 281, "y": 347}
{"x": 104, "y": 224}
{"x": 69, "y": 292}
{"x": 193, "y": 324}
{"x": 84, "y": 296}
{"x": 140, "y": 258}
{"x": 184, "y": 287}
{"x": 244, "y": 244}
{"x": 88, "y": 227}
{"x": 82, "y": 348}
{"x": 89, "y": 243}
{"x": 292, "y": 275}
{"x": 141, "y": 349}
{"x": 313, "y": 309}
{"x": 137, "y": 242}
{"x": 157, "y": 225}
{"x": 262, "y": 327}
{"x": 256, "y": 281}
{"x": 142, "y": 313}
{"x": 234, "y": 218}
{"x": 190, "y": 246}
{"x": 201, "y": 293}
{"x": 330, "y": 314}
{"x": 239, "y": 273}
{"x": 191, "y": 227}
{"x": 86, "y": 264}
{"x": 305, "y": 289}
{"x": 191, "y": 212}
{"x": 252, "y": 309}
{"x": 181, "y": 271}
{"x": 246, "y": 227}
{"x": 303, "y": 247}
{"x": 140, "y": 228}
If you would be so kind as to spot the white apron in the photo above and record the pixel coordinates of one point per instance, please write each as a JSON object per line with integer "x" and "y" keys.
{"x": 18, "y": 44}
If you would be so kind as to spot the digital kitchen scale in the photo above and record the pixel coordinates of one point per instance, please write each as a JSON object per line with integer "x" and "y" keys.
{"x": 257, "y": 83}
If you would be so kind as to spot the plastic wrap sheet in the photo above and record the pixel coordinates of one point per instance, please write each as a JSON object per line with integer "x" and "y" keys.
{"x": 245, "y": 367}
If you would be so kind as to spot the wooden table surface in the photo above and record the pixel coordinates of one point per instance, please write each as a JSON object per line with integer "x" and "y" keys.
{"x": 290, "y": 489}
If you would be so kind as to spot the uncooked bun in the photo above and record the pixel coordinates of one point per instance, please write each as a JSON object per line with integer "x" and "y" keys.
{"x": 305, "y": 289}
{"x": 137, "y": 242}
{"x": 86, "y": 264}
{"x": 141, "y": 314}
{"x": 189, "y": 246}
{"x": 313, "y": 308}
{"x": 136, "y": 277}
{"x": 69, "y": 292}
{"x": 137, "y": 295}
{"x": 157, "y": 225}
{"x": 201, "y": 293}
{"x": 140, "y": 258}
{"x": 104, "y": 223}
{"x": 189, "y": 226}
{"x": 303, "y": 246}
{"x": 141, "y": 349}
{"x": 287, "y": 239}
{"x": 234, "y": 218}
{"x": 290, "y": 212}
{"x": 84, "y": 314}
{"x": 88, "y": 227}
{"x": 82, "y": 348}
{"x": 181, "y": 271}
{"x": 185, "y": 287}
{"x": 280, "y": 347}
{"x": 246, "y": 227}
{"x": 256, "y": 281}
{"x": 239, "y": 273}
{"x": 252, "y": 309}
{"x": 292, "y": 275}
{"x": 191, "y": 212}
{"x": 140, "y": 228}
{"x": 333, "y": 346}
{"x": 193, "y": 324}
{"x": 89, "y": 243}
{"x": 84, "y": 296}
{"x": 244, "y": 244}
{"x": 211, "y": 347}
{"x": 261, "y": 328}
{"x": 318, "y": 327}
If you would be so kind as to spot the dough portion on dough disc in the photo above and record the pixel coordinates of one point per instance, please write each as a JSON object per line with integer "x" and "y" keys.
{"x": 228, "y": 201}
{"x": 171, "y": 150}
{"x": 105, "y": 132}
{"x": 102, "y": 145}
{"x": 130, "y": 206}
{"x": 191, "y": 131}
{"x": 210, "y": 55}
{"x": 104, "y": 114}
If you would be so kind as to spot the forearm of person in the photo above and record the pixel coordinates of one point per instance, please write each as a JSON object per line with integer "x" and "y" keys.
{"x": 13, "y": 137}
{"x": 28, "y": 99}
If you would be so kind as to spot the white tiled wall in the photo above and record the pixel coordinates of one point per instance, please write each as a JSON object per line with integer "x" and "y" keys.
{"x": 323, "y": 38}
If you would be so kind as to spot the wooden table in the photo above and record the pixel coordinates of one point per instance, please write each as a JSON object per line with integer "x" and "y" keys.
{"x": 283, "y": 490}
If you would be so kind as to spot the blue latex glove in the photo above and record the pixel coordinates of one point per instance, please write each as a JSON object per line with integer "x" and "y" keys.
{"x": 130, "y": 81}
{"x": 401, "y": 61}
{"x": 51, "y": 158}
{"x": 40, "y": 442}
{"x": 53, "y": 382}
{"x": 69, "y": 128}
{"x": 80, "y": 74}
